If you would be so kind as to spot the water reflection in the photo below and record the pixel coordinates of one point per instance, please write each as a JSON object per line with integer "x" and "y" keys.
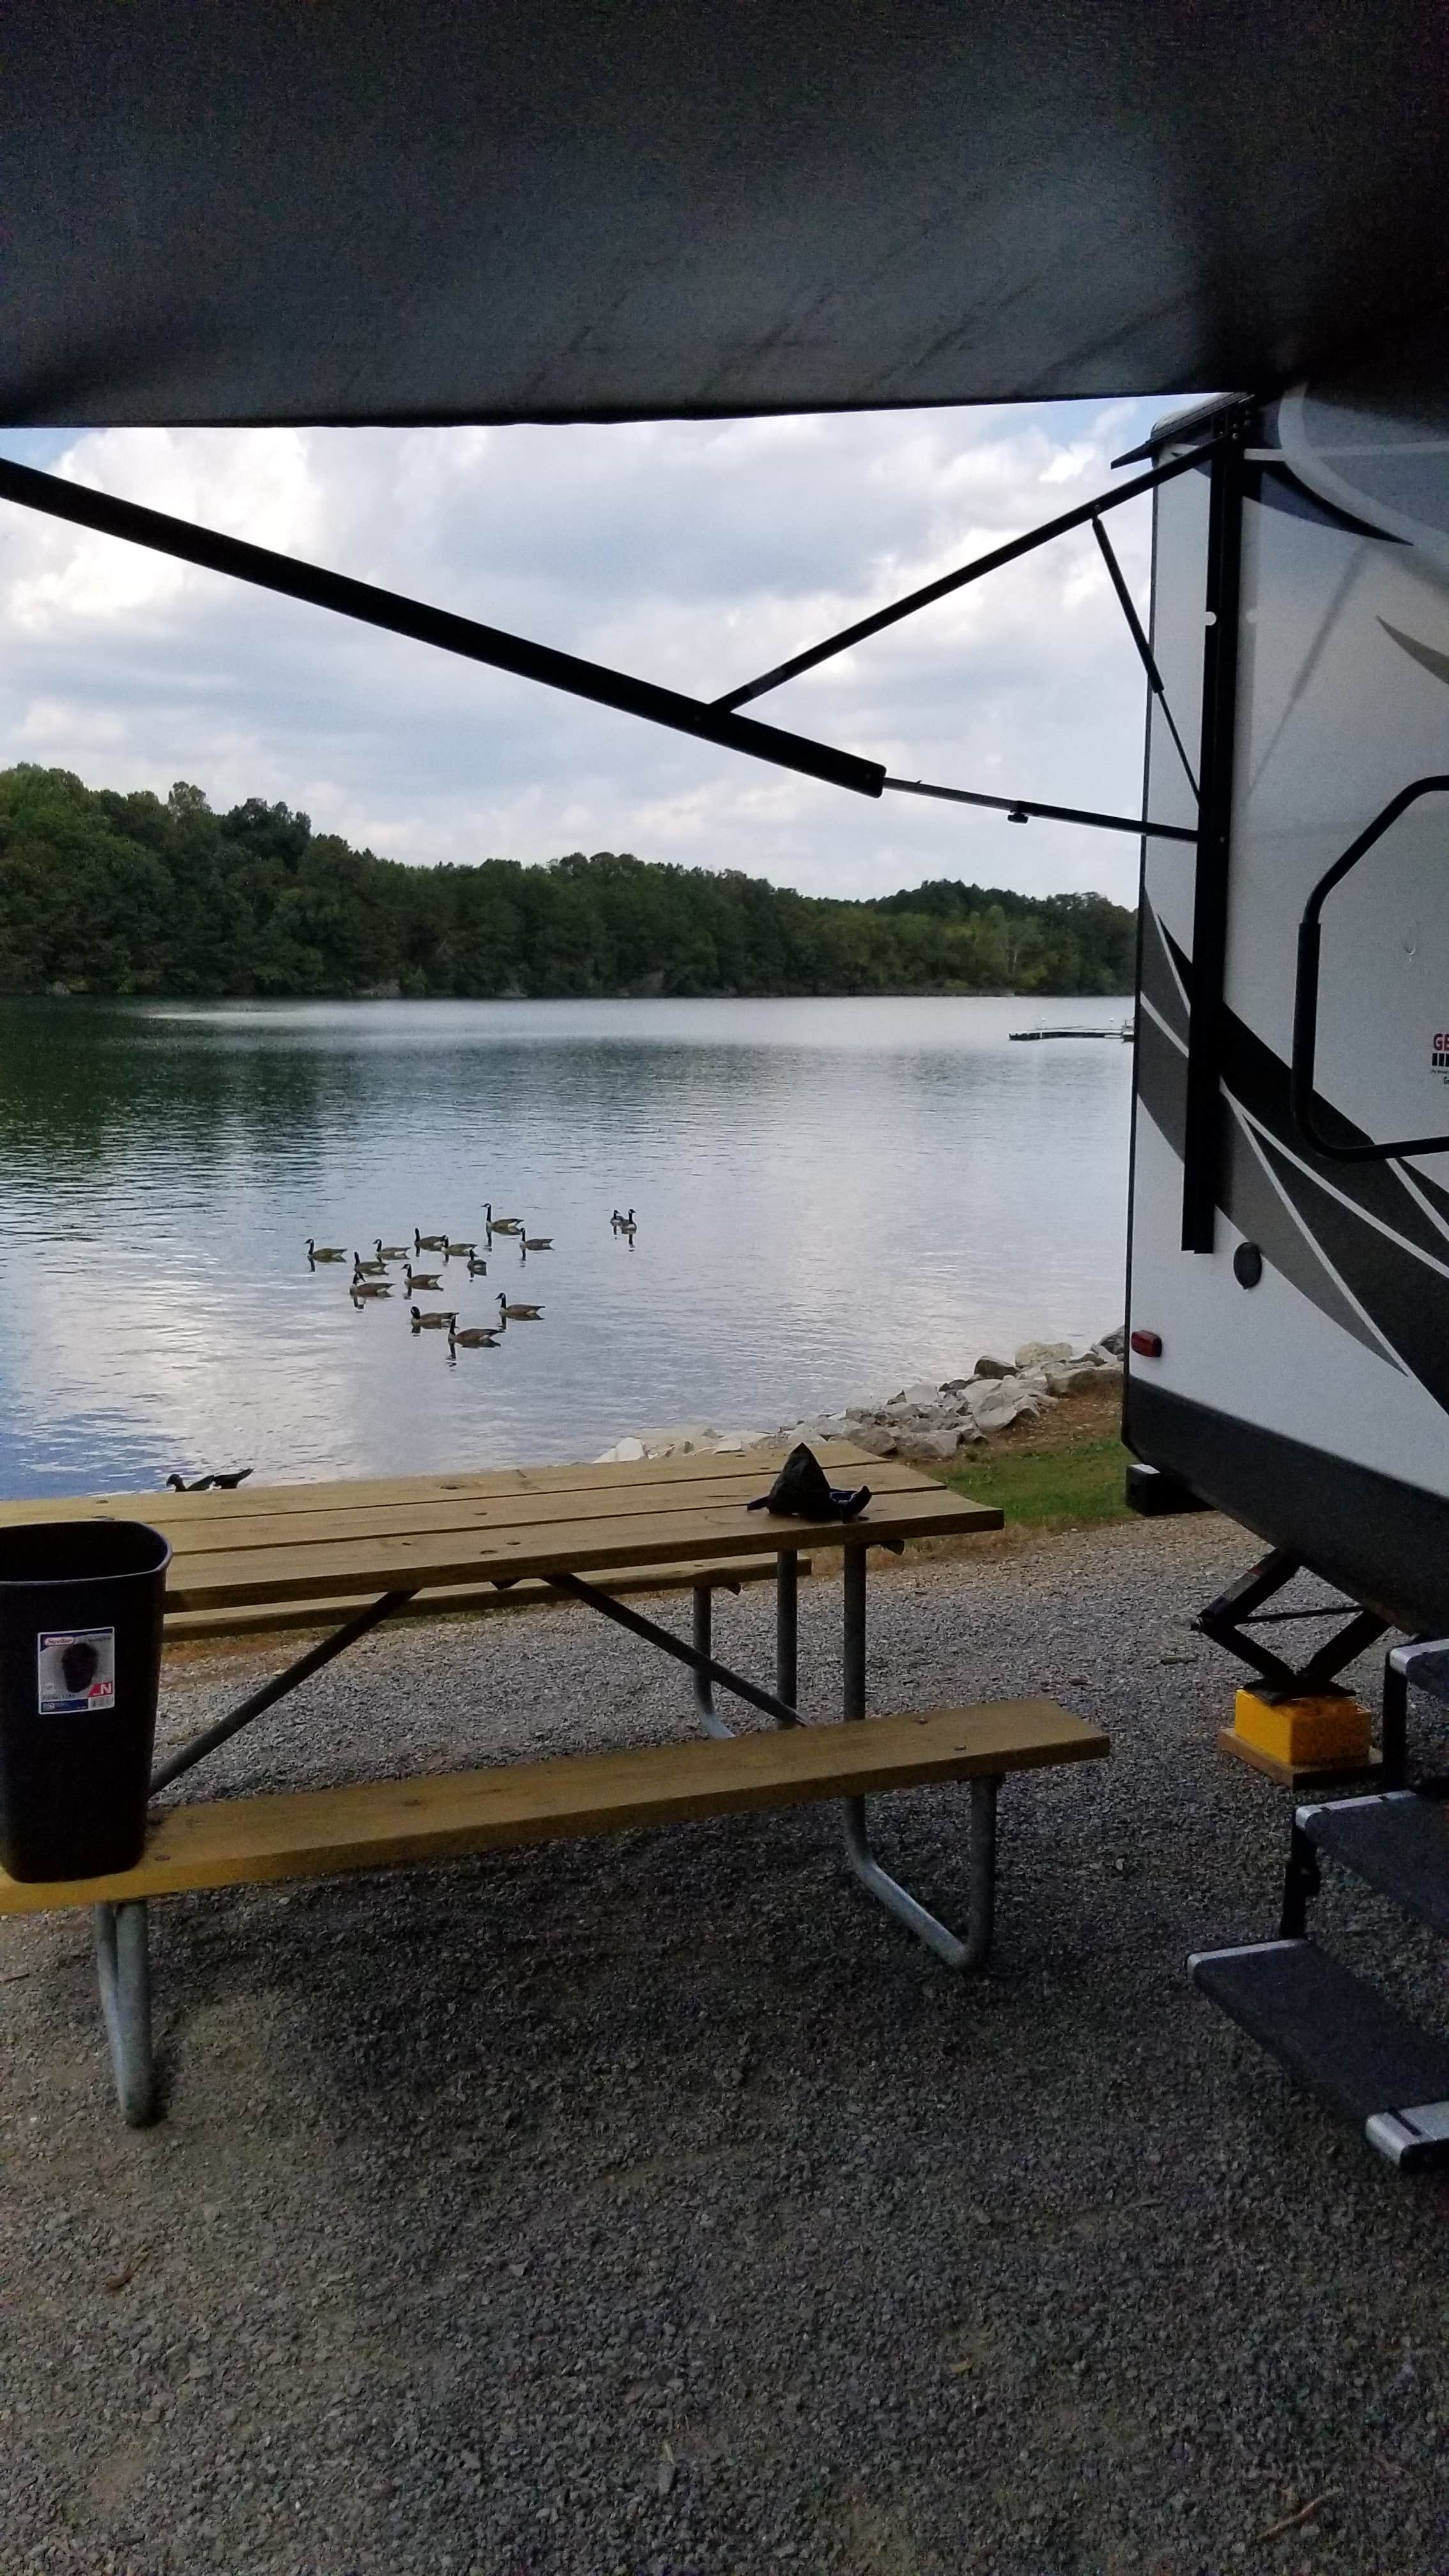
{"x": 832, "y": 1196}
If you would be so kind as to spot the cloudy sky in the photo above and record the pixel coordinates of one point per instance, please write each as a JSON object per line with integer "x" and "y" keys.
{"x": 693, "y": 553}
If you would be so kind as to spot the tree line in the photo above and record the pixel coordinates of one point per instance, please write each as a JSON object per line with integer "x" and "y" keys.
{"x": 107, "y": 893}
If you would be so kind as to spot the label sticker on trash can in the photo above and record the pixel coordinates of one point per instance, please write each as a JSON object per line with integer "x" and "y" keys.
{"x": 77, "y": 1670}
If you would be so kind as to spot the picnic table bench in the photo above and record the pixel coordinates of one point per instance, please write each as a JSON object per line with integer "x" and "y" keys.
{"x": 371, "y": 1550}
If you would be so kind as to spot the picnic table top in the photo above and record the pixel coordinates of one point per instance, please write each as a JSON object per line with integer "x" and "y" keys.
{"x": 302, "y": 1542}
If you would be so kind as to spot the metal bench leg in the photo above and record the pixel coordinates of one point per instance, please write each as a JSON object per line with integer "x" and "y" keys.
{"x": 974, "y": 1951}
{"x": 124, "y": 1966}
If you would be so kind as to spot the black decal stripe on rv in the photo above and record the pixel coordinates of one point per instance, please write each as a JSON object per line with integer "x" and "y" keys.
{"x": 1428, "y": 659}
{"x": 1430, "y": 1190}
{"x": 1259, "y": 1079}
{"x": 1383, "y": 1542}
{"x": 1258, "y": 1211}
{"x": 1376, "y": 1262}
{"x": 1162, "y": 1081}
{"x": 1277, "y": 487}
{"x": 1408, "y": 1301}
{"x": 1248, "y": 1197}
{"x": 1159, "y": 978}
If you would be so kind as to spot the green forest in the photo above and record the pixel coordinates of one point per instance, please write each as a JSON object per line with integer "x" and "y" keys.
{"x": 112, "y": 894}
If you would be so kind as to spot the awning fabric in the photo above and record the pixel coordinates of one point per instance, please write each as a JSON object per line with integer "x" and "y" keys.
{"x": 337, "y": 210}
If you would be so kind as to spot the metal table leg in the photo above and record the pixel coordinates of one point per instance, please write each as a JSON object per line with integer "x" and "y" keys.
{"x": 786, "y": 1655}
{"x": 787, "y": 1635}
{"x": 709, "y": 1716}
{"x": 705, "y": 1667}
{"x": 974, "y": 1951}
{"x": 280, "y": 1686}
{"x": 124, "y": 1967}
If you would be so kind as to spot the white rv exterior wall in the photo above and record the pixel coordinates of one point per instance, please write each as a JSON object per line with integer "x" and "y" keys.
{"x": 1336, "y": 712}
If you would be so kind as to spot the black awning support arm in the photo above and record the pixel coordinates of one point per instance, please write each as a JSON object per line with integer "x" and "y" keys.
{"x": 1021, "y": 809}
{"x": 1085, "y": 512}
{"x": 1145, "y": 654}
{"x": 387, "y": 609}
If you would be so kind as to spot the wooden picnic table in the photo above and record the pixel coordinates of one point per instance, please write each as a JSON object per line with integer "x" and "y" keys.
{"x": 367, "y": 1549}
{"x": 275, "y": 1544}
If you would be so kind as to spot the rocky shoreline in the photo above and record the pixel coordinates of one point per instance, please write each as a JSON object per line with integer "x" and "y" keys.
{"x": 925, "y": 1421}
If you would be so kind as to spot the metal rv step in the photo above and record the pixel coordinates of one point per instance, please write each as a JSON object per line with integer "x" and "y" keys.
{"x": 1341, "y": 2038}
{"x": 1398, "y": 1843}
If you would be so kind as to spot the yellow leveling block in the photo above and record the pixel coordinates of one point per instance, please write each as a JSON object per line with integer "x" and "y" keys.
{"x": 1294, "y": 1740}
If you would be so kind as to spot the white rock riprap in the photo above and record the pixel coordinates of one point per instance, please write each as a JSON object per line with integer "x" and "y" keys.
{"x": 927, "y": 1420}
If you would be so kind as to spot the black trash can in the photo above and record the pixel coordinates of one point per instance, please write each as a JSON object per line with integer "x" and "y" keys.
{"x": 80, "y": 1662}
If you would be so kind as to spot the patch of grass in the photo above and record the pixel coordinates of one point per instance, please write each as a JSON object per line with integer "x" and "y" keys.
{"x": 1056, "y": 1487}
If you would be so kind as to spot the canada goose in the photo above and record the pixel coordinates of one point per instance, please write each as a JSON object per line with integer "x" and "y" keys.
{"x": 237, "y": 1476}
{"x": 456, "y": 1249}
{"x": 624, "y": 1224}
{"x": 436, "y": 1320}
{"x": 429, "y": 1242}
{"x": 325, "y": 1251}
{"x": 477, "y": 1267}
{"x": 420, "y": 1279}
{"x": 366, "y": 1269}
{"x": 501, "y": 1224}
{"x": 371, "y": 1288}
{"x": 518, "y": 1314}
{"x": 389, "y": 1251}
{"x": 536, "y": 1242}
{"x": 198, "y": 1485}
{"x": 476, "y": 1337}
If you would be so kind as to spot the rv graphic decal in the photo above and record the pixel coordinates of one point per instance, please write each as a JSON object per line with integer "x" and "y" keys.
{"x": 1436, "y": 664}
{"x": 1163, "y": 984}
{"x": 1251, "y": 1195}
{"x": 1258, "y": 1078}
{"x": 1362, "y": 1241}
{"x": 1376, "y": 448}
{"x": 1275, "y": 486}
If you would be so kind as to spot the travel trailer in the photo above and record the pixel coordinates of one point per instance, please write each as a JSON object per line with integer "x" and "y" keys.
{"x": 1289, "y": 1255}
{"x": 1288, "y": 1344}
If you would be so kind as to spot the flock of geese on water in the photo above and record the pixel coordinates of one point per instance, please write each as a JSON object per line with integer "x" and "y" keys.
{"x": 370, "y": 1278}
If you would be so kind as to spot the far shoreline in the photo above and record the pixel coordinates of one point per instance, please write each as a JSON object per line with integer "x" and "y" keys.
{"x": 877, "y": 993}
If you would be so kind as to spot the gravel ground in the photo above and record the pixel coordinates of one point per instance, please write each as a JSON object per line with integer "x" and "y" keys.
{"x": 656, "y": 2207}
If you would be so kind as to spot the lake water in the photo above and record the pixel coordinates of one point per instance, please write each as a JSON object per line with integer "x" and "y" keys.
{"x": 832, "y": 1197}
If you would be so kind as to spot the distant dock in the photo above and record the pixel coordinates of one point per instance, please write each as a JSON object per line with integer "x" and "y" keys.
{"x": 1028, "y": 1037}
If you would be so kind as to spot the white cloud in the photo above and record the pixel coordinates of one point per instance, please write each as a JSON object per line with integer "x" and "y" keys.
{"x": 695, "y": 553}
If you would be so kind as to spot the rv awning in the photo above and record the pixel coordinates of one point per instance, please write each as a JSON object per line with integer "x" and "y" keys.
{"x": 336, "y": 210}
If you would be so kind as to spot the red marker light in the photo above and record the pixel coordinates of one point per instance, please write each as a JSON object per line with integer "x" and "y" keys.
{"x": 1148, "y": 1346}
